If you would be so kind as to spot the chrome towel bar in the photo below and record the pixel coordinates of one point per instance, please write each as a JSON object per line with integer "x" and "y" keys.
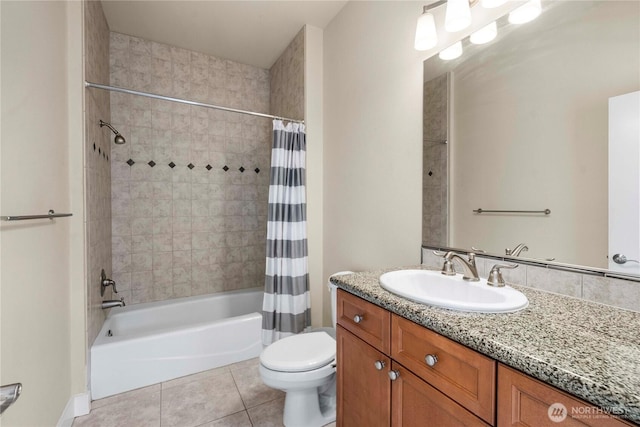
{"x": 50, "y": 215}
{"x": 479, "y": 211}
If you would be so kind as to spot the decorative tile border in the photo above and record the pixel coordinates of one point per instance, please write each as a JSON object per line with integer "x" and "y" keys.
{"x": 172, "y": 165}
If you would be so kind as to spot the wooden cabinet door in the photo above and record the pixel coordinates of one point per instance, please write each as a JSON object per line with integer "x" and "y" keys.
{"x": 464, "y": 375}
{"x": 364, "y": 391}
{"x": 416, "y": 404}
{"x": 525, "y": 401}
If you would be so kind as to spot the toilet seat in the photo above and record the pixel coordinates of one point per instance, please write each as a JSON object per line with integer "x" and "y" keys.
{"x": 299, "y": 353}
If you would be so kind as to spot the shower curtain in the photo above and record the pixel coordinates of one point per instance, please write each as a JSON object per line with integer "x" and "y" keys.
{"x": 286, "y": 308}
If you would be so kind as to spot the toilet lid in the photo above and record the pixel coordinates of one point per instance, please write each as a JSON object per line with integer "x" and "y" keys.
{"x": 298, "y": 353}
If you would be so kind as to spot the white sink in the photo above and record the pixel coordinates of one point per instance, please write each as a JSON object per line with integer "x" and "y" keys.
{"x": 434, "y": 288}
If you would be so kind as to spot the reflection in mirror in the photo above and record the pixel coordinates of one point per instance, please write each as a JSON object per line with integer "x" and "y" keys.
{"x": 523, "y": 124}
{"x": 435, "y": 171}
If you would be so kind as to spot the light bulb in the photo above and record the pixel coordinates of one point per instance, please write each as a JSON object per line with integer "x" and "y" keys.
{"x": 426, "y": 35}
{"x": 457, "y": 16}
{"x": 484, "y": 34}
{"x": 490, "y": 4}
{"x": 525, "y": 13}
{"x": 452, "y": 52}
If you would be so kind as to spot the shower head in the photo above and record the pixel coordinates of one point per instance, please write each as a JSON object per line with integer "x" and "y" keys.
{"x": 119, "y": 139}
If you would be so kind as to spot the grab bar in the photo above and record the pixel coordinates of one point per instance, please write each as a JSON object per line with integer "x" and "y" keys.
{"x": 479, "y": 211}
{"x": 50, "y": 215}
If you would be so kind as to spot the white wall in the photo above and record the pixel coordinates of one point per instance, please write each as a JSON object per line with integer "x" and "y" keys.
{"x": 372, "y": 137}
{"x": 79, "y": 344}
{"x": 41, "y": 347}
{"x": 313, "y": 51}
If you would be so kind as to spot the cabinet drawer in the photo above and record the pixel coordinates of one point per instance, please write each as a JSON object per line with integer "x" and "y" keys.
{"x": 459, "y": 372}
{"x": 523, "y": 400}
{"x": 417, "y": 404}
{"x": 365, "y": 320}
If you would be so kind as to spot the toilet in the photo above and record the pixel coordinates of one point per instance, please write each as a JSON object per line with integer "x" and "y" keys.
{"x": 304, "y": 367}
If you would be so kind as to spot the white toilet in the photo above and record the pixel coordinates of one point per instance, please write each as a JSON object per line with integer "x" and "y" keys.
{"x": 304, "y": 367}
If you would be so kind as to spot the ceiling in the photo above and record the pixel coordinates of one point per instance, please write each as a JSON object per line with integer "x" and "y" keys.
{"x": 250, "y": 32}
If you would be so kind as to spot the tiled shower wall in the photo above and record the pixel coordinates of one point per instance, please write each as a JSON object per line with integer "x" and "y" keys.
{"x": 287, "y": 80}
{"x": 435, "y": 169}
{"x": 190, "y": 186}
{"x": 97, "y": 163}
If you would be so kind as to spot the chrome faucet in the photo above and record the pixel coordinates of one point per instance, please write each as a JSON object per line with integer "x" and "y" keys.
{"x": 516, "y": 251}
{"x": 469, "y": 267}
{"x": 113, "y": 303}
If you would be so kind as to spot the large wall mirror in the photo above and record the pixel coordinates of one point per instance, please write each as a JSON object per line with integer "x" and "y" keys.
{"x": 523, "y": 124}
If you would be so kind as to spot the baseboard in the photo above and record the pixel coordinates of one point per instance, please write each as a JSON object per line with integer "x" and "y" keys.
{"x": 78, "y": 405}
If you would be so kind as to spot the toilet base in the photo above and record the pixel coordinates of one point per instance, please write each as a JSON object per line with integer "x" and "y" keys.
{"x": 309, "y": 408}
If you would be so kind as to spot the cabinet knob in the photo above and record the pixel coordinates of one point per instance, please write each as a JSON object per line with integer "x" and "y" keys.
{"x": 431, "y": 359}
{"x": 394, "y": 375}
{"x": 358, "y": 318}
{"x": 379, "y": 364}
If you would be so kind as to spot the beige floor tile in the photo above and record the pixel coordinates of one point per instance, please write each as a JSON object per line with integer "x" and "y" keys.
{"x": 199, "y": 402}
{"x": 140, "y": 408}
{"x": 245, "y": 364}
{"x": 268, "y": 414}
{"x": 126, "y": 396}
{"x": 195, "y": 377}
{"x": 240, "y": 419}
{"x": 251, "y": 388}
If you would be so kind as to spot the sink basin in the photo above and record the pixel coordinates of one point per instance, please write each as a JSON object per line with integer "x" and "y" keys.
{"x": 434, "y": 288}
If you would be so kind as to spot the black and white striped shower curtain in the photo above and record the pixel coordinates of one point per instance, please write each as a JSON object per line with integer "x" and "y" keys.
{"x": 286, "y": 308}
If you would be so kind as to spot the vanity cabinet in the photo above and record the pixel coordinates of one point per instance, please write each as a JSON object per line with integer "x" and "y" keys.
{"x": 525, "y": 401}
{"x": 393, "y": 372}
{"x": 380, "y": 382}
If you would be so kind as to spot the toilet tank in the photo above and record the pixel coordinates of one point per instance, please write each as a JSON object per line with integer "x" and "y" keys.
{"x": 333, "y": 290}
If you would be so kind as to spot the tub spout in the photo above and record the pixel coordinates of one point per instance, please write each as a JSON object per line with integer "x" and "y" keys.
{"x": 113, "y": 303}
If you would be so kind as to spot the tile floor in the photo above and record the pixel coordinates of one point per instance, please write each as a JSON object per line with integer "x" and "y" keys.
{"x": 230, "y": 396}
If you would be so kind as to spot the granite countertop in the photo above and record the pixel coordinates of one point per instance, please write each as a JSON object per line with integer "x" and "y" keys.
{"x": 589, "y": 350}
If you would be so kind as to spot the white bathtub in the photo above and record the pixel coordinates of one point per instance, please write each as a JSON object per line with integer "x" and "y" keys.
{"x": 149, "y": 343}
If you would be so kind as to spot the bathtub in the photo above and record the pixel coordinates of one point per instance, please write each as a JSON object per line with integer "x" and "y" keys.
{"x": 149, "y": 343}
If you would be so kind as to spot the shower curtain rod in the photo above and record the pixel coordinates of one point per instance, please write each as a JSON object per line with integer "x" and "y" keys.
{"x": 186, "y": 101}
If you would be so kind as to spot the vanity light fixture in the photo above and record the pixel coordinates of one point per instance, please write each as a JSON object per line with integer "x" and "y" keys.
{"x": 525, "y": 13}
{"x": 490, "y": 4}
{"x": 484, "y": 34}
{"x": 426, "y": 34}
{"x": 457, "y": 16}
{"x": 452, "y": 52}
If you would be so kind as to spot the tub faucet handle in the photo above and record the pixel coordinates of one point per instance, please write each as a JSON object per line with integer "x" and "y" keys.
{"x": 104, "y": 282}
